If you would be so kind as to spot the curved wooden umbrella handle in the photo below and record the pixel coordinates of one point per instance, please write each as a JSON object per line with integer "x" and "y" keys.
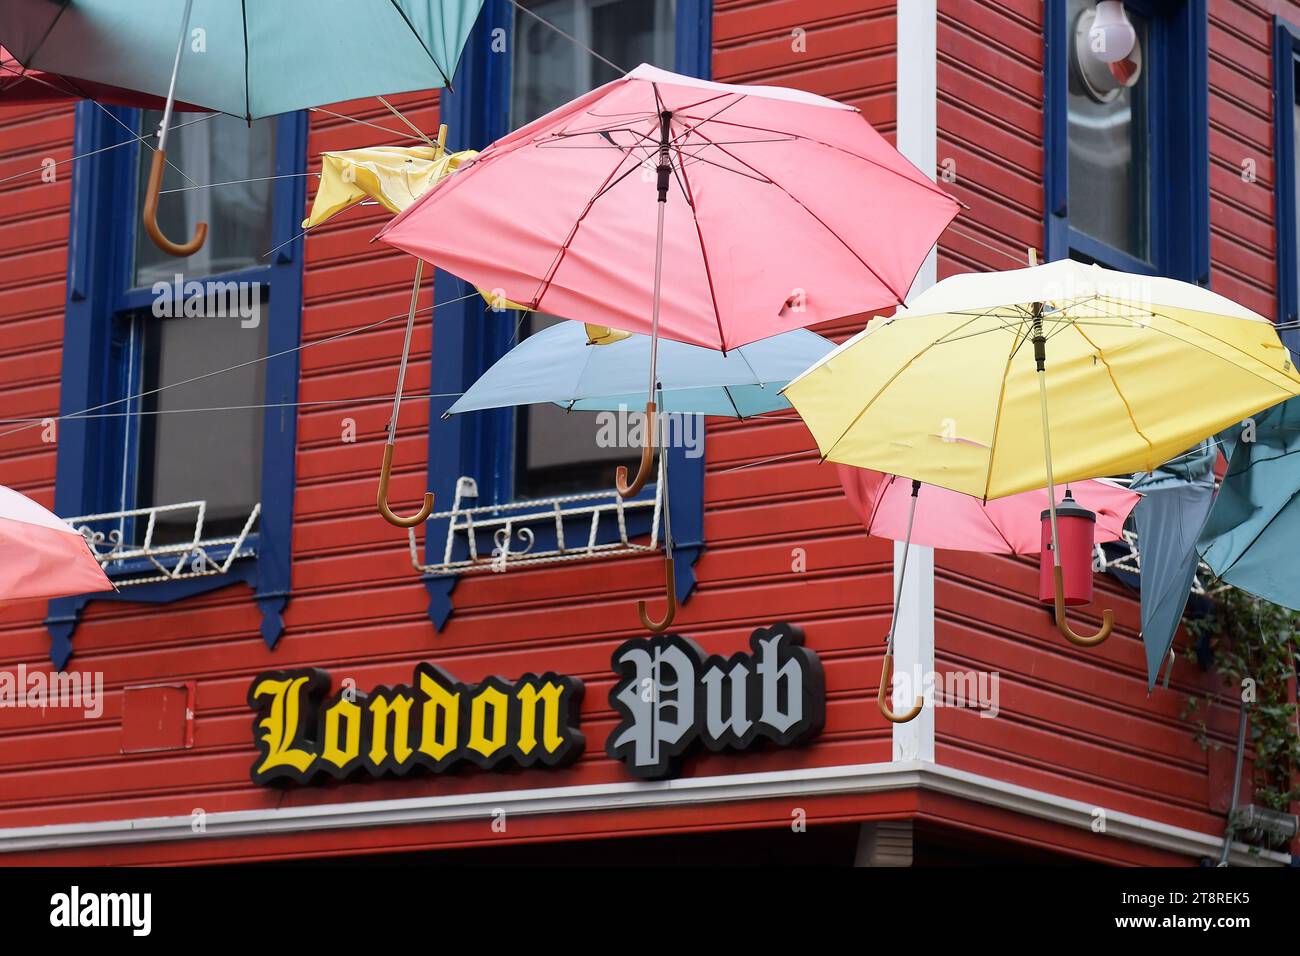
{"x": 1063, "y": 625}
{"x": 419, "y": 517}
{"x": 670, "y": 595}
{"x": 886, "y": 673}
{"x": 152, "y": 192}
{"x": 647, "y": 459}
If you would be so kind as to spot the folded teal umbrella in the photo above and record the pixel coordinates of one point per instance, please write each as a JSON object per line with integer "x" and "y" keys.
{"x": 1249, "y": 539}
{"x": 557, "y": 365}
{"x": 248, "y": 59}
{"x": 1175, "y": 501}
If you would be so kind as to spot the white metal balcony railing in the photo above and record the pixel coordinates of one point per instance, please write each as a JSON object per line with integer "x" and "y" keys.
{"x": 148, "y": 562}
{"x": 511, "y": 527}
{"x": 1130, "y": 560}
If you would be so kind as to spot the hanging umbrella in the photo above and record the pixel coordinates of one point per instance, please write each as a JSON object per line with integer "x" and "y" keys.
{"x": 776, "y": 210}
{"x": 246, "y": 59}
{"x": 1249, "y": 539}
{"x": 43, "y": 556}
{"x": 887, "y": 507}
{"x": 1176, "y": 500}
{"x": 953, "y": 390}
{"x": 558, "y": 365}
{"x": 956, "y": 522}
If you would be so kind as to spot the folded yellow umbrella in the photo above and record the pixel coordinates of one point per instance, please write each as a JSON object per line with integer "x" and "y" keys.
{"x": 953, "y": 390}
{"x": 393, "y": 176}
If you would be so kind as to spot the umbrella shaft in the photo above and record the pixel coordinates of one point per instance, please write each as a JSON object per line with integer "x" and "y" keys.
{"x": 654, "y": 315}
{"x": 1040, "y": 354}
{"x": 406, "y": 351}
{"x": 171, "y": 86}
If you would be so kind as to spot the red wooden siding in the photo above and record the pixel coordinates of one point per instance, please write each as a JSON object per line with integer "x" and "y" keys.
{"x": 358, "y": 608}
{"x": 1075, "y": 721}
{"x": 1071, "y": 721}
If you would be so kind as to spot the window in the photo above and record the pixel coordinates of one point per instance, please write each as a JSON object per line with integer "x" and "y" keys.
{"x": 555, "y": 452}
{"x": 539, "y": 451}
{"x": 1127, "y": 166}
{"x": 1286, "y": 175}
{"x": 138, "y": 322}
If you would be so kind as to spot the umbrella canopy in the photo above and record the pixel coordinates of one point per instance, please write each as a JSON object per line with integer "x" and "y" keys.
{"x": 1176, "y": 499}
{"x": 953, "y": 390}
{"x": 393, "y": 176}
{"x": 250, "y": 59}
{"x": 945, "y": 391}
{"x": 20, "y": 85}
{"x": 957, "y": 522}
{"x": 1249, "y": 538}
{"x": 781, "y": 209}
{"x": 43, "y": 556}
{"x": 557, "y": 365}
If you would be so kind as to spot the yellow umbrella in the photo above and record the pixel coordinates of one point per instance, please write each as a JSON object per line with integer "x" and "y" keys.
{"x": 953, "y": 389}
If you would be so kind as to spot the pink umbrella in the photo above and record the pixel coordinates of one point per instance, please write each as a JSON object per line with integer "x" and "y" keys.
{"x": 787, "y": 210}
{"x": 957, "y": 522}
{"x": 887, "y": 507}
{"x": 41, "y": 556}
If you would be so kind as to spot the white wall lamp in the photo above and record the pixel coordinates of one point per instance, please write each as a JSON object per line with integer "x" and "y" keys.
{"x": 1107, "y": 56}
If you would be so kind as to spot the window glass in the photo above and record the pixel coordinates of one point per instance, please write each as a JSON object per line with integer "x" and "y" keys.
{"x": 1295, "y": 166}
{"x": 1109, "y": 165}
{"x": 216, "y": 149}
{"x": 212, "y": 456}
{"x": 556, "y": 451}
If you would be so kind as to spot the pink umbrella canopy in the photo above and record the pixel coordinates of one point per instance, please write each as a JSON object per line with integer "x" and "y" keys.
{"x": 41, "y": 556}
{"x": 783, "y": 210}
{"x": 957, "y": 522}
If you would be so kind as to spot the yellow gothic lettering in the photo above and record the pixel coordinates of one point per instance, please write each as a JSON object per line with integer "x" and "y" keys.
{"x": 483, "y": 738}
{"x": 545, "y": 698}
{"x": 342, "y": 711}
{"x": 390, "y": 720}
{"x": 439, "y": 718}
{"x": 281, "y": 724}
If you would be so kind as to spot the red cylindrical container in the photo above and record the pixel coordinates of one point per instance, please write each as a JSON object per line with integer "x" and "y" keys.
{"x": 1074, "y": 524}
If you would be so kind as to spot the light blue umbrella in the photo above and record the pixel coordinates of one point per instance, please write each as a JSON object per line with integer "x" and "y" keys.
{"x": 1249, "y": 539}
{"x": 557, "y": 365}
{"x": 248, "y": 59}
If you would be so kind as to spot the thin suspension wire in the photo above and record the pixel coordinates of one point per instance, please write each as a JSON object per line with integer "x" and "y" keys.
{"x": 360, "y": 400}
{"x": 105, "y": 149}
{"x": 568, "y": 36}
{"x": 221, "y": 371}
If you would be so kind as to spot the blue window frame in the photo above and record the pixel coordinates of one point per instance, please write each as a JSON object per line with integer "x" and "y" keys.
{"x": 466, "y": 340}
{"x": 1286, "y": 62}
{"x": 107, "y": 312}
{"x": 1168, "y": 190}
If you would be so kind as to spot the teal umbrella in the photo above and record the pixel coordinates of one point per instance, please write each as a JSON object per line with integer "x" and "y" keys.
{"x": 248, "y": 59}
{"x": 1249, "y": 539}
{"x": 557, "y": 365}
{"x": 1175, "y": 501}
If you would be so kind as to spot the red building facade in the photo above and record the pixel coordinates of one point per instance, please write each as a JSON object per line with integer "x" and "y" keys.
{"x": 1063, "y": 756}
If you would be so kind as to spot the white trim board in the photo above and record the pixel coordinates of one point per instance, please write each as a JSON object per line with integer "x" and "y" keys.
{"x": 857, "y": 778}
{"x": 917, "y": 140}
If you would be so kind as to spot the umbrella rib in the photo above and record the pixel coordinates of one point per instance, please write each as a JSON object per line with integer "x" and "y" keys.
{"x": 1216, "y": 355}
{"x": 544, "y": 286}
{"x": 880, "y": 497}
{"x": 1110, "y": 373}
{"x": 248, "y": 94}
{"x": 685, "y": 185}
{"x": 926, "y": 185}
{"x": 880, "y": 391}
{"x": 432, "y": 59}
{"x": 997, "y": 420}
{"x": 898, "y": 298}
{"x": 44, "y": 36}
{"x": 1268, "y": 524}
{"x": 1011, "y": 548}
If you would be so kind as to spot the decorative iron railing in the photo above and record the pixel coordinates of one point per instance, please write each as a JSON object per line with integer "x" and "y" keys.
{"x": 1130, "y": 559}
{"x": 501, "y": 537}
{"x": 123, "y": 543}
